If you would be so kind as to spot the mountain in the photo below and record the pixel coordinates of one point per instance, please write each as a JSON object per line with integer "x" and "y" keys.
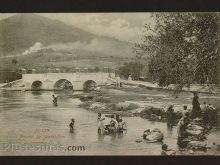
{"x": 20, "y": 32}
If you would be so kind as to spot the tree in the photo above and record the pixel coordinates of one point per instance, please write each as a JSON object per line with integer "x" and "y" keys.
{"x": 182, "y": 48}
{"x": 96, "y": 69}
{"x": 132, "y": 68}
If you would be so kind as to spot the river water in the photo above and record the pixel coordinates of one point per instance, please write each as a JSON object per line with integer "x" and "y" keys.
{"x": 24, "y": 116}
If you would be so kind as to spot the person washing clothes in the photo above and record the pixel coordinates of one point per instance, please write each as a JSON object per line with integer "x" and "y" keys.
{"x": 165, "y": 151}
{"x": 101, "y": 125}
{"x": 113, "y": 124}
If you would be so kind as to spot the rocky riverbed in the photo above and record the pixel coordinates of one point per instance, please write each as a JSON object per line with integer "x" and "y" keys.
{"x": 135, "y": 101}
{"x": 152, "y": 105}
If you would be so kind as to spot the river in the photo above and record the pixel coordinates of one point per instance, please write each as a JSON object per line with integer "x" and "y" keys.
{"x": 24, "y": 115}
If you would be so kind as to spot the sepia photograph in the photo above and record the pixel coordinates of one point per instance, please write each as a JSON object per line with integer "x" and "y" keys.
{"x": 140, "y": 83}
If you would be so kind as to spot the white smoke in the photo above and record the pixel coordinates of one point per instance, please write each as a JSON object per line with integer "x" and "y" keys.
{"x": 35, "y": 48}
{"x": 95, "y": 45}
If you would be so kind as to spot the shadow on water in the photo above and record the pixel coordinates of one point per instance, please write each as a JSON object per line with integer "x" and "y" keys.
{"x": 10, "y": 100}
{"x": 35, "y": 92}
{"x": 170, "y": 126}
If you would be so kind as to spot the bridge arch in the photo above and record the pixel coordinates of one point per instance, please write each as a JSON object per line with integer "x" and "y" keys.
{"x": 36, "y": 85}
{"x": 89, "y": 85}
{"x": 63, "y": 84}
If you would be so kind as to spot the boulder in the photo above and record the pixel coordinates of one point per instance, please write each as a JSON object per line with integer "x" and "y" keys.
{"x": 153, "y": 136}
{"x": 197, "y": 146}
{"x": 194, "y": 132}
{"x": 194, "y": 129}
{"x": 137, "y": 111}
{"x": 98, "y": 106}
{"x": 217, "y": 146}
{"x": 138, "y": 140}
{"x": 171, "y": 152}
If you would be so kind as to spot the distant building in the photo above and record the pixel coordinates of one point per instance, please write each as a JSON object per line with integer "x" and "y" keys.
{"x": 105, "y": 69}
{"x": 23, "y": 71}
{"x": 86, "y": 70}
{"x": 49, "y": 70}
{"x": 57, "y": 70}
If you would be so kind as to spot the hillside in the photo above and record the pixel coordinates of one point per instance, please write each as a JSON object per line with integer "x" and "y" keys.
{"x": 20, "y": 32}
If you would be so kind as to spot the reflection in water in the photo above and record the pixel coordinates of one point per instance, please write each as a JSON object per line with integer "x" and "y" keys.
{"x": 36, "y": 92}
{"x": 21, "y": 113}
{"x": 170, "y": 127}
{"x": 113, "y": 137}
{"x": 101, "y": 137}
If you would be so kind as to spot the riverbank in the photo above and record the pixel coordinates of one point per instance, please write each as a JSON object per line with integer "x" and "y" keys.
{"x": 152, "y": 105}
{"x": 193, "y": 87}
{"x": 137, "y": 101}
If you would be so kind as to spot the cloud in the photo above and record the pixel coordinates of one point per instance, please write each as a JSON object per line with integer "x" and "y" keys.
{"x": 96, "y": 45}
{"x": 122, "y": 26}
{"x": 117, "y": 28}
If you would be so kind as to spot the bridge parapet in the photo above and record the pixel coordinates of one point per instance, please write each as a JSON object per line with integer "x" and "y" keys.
{"x": 48, "y": 80}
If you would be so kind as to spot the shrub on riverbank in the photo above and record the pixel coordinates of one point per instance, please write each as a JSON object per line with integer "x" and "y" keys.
{"x": 122, "y": 108}
{"x": 149, "y": 111}
{"x": 101, "y": 99}
{"x": 85, "y": 104}
{"x": 125, "y": 106}
{"x": 158, "y": 114}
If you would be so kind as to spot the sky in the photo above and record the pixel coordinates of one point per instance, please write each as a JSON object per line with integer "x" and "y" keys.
{"x": 122, "y": 26}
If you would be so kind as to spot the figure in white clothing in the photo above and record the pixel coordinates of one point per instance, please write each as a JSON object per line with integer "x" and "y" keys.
{"x": 129, "y": 78}
{"x": 101, "y": 125}
{"x": 118, "y": 83}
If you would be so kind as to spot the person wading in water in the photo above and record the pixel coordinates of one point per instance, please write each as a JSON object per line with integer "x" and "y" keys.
{"x": 71, "y": 125}
{"x": 181, "y": 130}
{"x": 54, "y": 100}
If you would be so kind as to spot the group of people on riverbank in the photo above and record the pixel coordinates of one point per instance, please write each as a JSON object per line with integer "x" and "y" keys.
{"x": 116, "y": 124}
{"x": 113, "y": 123}
{"x": 202, "y": 113}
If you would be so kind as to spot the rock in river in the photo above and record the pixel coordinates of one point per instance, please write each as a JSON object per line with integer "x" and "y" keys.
{"x": 153, "y": 136}
{"x": 197, "y": 146}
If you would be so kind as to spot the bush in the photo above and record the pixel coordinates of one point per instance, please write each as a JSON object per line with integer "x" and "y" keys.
{"x": 132, "y": 68}
{"x": 147, "y": 112}
{"x": 124, "y": 106}
{"x": 132, "y": 106}
{"x": 85, "y": 105}
{"x": 101, "y": 99}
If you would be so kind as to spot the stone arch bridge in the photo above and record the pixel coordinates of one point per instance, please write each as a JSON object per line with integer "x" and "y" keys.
{"x": 75, "y": 81}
